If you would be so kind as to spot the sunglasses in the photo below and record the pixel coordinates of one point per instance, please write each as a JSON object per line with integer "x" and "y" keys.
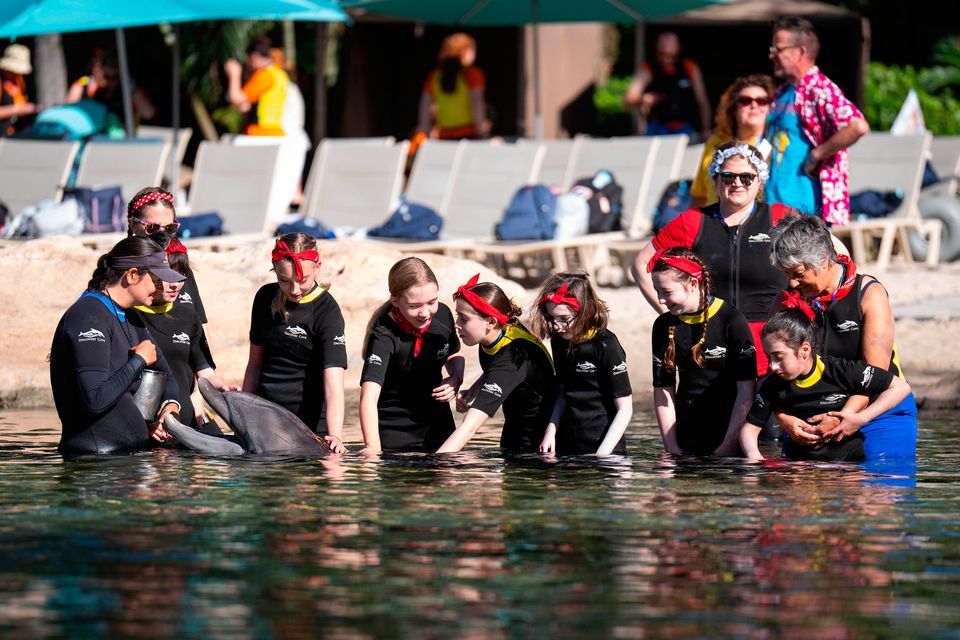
{"x": 156, "y": 227}
{"x": 746, "y": 179}
{"x": 746, "y": 101}
{"x": 775, "y": 50}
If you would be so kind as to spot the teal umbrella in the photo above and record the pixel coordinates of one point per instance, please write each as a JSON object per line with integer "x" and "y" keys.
{"x": 486, "y": 13}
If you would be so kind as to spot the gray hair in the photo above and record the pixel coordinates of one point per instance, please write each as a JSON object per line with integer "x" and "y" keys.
{"x": 802, "y": 31}
{"x": 801, "y": 240}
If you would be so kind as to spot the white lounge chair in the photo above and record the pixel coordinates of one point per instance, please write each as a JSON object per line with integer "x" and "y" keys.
{"x": 945, "y": 158}
{"x": 33, "y": 170}
{"x": 145, "y": 132}
{"x": 129, "y": 164}
{"x": 432, "y": 172}
{"x": 690, "y": 165}
{"x": 558, "y": 161}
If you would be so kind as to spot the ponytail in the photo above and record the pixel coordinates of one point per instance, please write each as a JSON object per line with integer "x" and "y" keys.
{"x": 104, "y": 275}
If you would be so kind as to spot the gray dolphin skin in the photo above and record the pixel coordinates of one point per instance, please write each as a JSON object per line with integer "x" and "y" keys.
{"x": 259, "y": 426}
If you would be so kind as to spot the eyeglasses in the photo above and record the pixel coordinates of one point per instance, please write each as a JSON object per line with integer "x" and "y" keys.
{"x": 156, "y": 227}
{"x": 746, "y": 101}
{"x": 746, "y": 179}
{"x": 775, "y": 50}
{"x": 562, "y": 322}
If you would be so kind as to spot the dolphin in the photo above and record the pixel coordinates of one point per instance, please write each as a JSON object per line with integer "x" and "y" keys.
{"x": 260, "y": 427}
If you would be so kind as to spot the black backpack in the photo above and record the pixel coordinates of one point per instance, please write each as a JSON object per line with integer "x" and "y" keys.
{"x": 605, "y": 201}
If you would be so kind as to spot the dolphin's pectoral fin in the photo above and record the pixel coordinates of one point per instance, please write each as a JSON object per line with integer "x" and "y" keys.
{"x": 214, "y": 398}
{"x": 193, "y": 439}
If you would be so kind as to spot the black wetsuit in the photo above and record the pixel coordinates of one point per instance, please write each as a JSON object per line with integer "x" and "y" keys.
{"x": 518, "y": 373}
{"x": 93, "y": 376}
{"x": 826, "y": 387}
{"x": 297, "y": 351}
{"x": 409, "y": 418}
{"x": 178, "y": 333}
{"x": 705, "y": 396}
{"x": 592, "y": 375}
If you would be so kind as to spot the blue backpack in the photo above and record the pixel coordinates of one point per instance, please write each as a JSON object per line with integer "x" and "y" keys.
{"x": 530, "y": 215}
{"x": 410, "y": 222}
{"x": 301, "y": 224}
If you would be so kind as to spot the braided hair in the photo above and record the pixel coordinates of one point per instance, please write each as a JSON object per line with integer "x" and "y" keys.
{"x": 706, "y": 287}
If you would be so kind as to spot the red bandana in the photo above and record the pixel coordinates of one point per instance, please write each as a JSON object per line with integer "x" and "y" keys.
{"x": 176, "y": 246}
{"x": 850, "y": 270}
{"x": 793, "y": 300}
{"x": 282, "y": 250}
{"x": 686, "y": 265}
{"x": 404, "y": 324}
{"x": 560, "y": 297}
{"x": 479, "y": 303}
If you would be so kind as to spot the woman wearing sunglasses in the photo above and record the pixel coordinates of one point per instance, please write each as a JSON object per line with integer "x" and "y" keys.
{"x": 732, "y": 237}
{"x": 741, "y": 116}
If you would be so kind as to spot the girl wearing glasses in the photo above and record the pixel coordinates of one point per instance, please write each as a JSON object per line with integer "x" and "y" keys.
{"x": 732, "y": 237}
{"x": 517, "y": 370}
{"x": 404, "y": 398}
{"x": 708, "y": 343}
{"x": 594, "y": 404}
{"x": 298, "y": 352}
{"x": 740, "y": 117}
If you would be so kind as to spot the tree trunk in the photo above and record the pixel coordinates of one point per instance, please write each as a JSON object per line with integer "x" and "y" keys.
{"x": 51, "y": 67}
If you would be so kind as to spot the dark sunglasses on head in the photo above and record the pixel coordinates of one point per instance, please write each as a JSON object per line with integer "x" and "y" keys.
{"x": 746, "y": 101}
{"x": 156, "y": 227}
{"x": 746, "y": 179}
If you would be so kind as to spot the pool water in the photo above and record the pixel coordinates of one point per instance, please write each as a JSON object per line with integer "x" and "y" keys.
{"x": 475, "y": 545}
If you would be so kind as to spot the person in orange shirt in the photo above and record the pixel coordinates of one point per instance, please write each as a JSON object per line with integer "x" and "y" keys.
{"x": 14, "y": 64}
{"x": 262, "y": 97}
{"x": 453, "y": 94}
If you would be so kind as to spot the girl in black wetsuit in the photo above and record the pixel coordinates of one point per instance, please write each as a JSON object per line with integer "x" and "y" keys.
{"x": 404, "y": 399}
{"x": 99, "y": 351}
{"x": 517, "y": 371}
{"x": 594, "y": 404}
{"x": 298, "y": 352}
{"x": 709, "y": 343}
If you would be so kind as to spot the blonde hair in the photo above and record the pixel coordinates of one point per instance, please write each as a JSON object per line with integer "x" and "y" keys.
{"x": 404, "y": 274}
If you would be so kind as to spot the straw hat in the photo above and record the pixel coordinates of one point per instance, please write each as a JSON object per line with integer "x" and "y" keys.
{"x": 16, "y": 59}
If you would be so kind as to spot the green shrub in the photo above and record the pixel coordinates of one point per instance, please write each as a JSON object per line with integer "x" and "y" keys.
{"x": 887, "y": 88}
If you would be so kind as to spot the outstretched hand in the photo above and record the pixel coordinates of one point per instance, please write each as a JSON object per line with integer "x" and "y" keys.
{"x": 800, "y": 431}
{"x": 850, "y": 422}
{"x": 448, "y": 389}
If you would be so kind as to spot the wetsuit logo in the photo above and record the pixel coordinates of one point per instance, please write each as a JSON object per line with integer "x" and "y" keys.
{"x": 91, "y": 335}
{"x": 847, "y": 326}
{"x": 867, "y": 377}
{"x": 747, "y": 351}
{"x": 493, "y": 389}
{"x": 758, "y": 400}
{"x": 620, "y": 368}
{"x": 586, "y": 367}
{"x": 444, "y": 351}
{"x": 180, "y": 338}
{"x": 657, "y": 361}
{"x": 759, "y": 237}
{"x": 340, "y": 340}
{"x": 714, "y": 353}
{"x": 185, "y": 298}
{"x": 375, "y": 359}
{"x": 833, "y": 398}
{"x": 295, "y": 332}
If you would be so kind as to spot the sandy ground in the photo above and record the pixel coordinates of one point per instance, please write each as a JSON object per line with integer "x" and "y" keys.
{"x": 41, "y": 278}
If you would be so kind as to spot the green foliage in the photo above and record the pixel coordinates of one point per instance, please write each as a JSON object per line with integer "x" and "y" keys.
{"x": 608, "y": 98}
{"x": 887, "y": 87}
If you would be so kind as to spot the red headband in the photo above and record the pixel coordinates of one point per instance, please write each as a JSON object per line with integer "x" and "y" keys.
{"x": 793, "y": 300}
{"x": 142, "y": 200}
{"x": 282, "y": 251}
{"x": 560, "y": 297}
{"x": 477, "y": 302}
{"x": 688, "y": 266}
{"x": 176, "y": 246}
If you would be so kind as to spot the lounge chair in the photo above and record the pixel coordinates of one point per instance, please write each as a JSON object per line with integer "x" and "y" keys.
{"x": 558, "y": 161}
{"x": 690, "y": 165}
{"x": 165, "y": 134}
{"x": 129, "y": 164}
{"x": 945, "y": 158}
{"x": 432, "y": 172}
{"x": 33, "y": 170}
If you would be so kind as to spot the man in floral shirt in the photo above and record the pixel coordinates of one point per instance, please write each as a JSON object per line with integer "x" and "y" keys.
{"x": 811, "y": 124}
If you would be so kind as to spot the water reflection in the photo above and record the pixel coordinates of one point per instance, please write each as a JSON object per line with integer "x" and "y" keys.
{"x": 475, "y": 545}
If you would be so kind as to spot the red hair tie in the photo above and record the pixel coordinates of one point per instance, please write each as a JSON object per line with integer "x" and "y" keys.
{"x": 282, "y": 251}
{"x": 560, "y": 297}
{"x": 142, "y": 200}
{"x": 176, "y": 246}
{"x": 688, "y": 266}
{"x": 477, "y": 302}
{"x": 793, "y": 300}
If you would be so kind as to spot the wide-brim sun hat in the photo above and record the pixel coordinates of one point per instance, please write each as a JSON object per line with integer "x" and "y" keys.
{"x": 16, "y": 59}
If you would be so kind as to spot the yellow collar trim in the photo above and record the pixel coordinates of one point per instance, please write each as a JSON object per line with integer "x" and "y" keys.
{"x": 511, "y": 333}
{"x": 313, "y": 295}
{"x": 157, "y": 309}
{"x": 813, "y": 378}
{"x": 590, "y": 335}
{"x": 698, "y": 318}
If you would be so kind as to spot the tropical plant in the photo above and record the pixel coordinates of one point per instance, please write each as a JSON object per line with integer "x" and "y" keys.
{"x": 887, "y": 87}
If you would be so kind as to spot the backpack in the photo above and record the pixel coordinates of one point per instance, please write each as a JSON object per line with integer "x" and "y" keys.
{"x": 410, "y": 222}
{"x": 675, "y": 200}
{"x": 302, "y": 224}
{"x": 606, "y": 201}
{"x": 531, "y": 215}
{"x": 573, "y": 213}
{"x": 47, "y": 218}
{"x": 201, "y": 225}
{"x": 103, "y": 209}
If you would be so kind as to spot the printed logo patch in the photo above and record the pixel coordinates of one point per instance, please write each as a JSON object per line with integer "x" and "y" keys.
{"x": 714, "y": 353}
{"x": 295, "y": 332}
{"x": 340, "y": 340}
{"x": 493, "y": 389}
{"x": 867, "y": 377}
{"x": 443, "y": 352}
{"x": 758, "y": 400}
{"x": 749, "y": 350}
{"x": 620, "y": 368}
{"x": 586, "y": 367}
{"x": 91, "y": 335}
{"x": 759, "y": 237}
{"x": 180, "y": 338}
{"x": 657, "y": 361}
{"x": 847, "y": 326}
{"x": 375, "y": 359}
{"x": 833, "y": 398}
{"x": 185, "y": 298}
